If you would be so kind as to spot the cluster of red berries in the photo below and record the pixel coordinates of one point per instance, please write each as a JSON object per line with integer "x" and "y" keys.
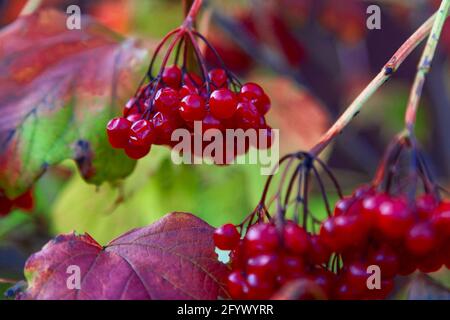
{"x": 177, "y": 100}
{"x": 374, "y": 228}
{"x": 266, "y": 259}
{"x": 24, "y": 202}
{"x": 366, "y": 228}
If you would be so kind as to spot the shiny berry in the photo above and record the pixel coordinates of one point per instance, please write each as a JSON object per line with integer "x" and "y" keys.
{"x": 261, "y": 238}
{"x": 167, "y": 100}
{"x": 142, "y": 133}
{"x": 295, "y": 239}
{"x": 218, "y": 77}
{"x": 265, "y": 265}
{"x": 246, "y": 116}
{"x": 192, "y": 80}
{"x": 262, "y": 103}
{"x": 394, "y": 218}
{"x": 172, "y": 76}
{"x": 135, "y": 151}
{"x": 118, "y": 130}
{"x": 386, "y": 259}
{"x": 226, "y": 237}
{"x": 236, "y": 284}
{"x": 222, "y": 103}
{"x": 251, "y": 91}
{"x": 441, "y": 219}
{"x": 186, "y": 90}
{"x": 192, "y": 108}
{"x": 425, "y": 205}
{"x": 421, "y": 238}
{"x": 259, "y": 287}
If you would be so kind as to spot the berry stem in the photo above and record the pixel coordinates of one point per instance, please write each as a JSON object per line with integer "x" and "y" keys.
{"x": 30, "y": 7}
{"x": 192, "y": 14}
{"x": 424, "y": 66}
{"x": 387, "y": 71}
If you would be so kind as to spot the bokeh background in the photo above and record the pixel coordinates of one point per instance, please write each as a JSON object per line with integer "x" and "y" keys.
{"x": 312, "y": 57}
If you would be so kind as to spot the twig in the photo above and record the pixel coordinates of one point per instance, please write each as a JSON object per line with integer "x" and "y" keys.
{"x": 388, "y": 70}
{"x": 424, "y": 66}
{"x": 30, "y": 7}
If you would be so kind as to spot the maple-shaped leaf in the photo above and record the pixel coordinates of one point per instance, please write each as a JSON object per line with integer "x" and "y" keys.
{"x": 58, "y": 89}
{"x": 173, "y": 258}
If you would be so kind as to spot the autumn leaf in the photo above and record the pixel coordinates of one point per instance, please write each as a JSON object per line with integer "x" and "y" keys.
{"x": 58, "y": 89}
{"x": 173, "y": 258}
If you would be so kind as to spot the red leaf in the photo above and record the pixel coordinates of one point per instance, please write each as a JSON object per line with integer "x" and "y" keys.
{"x": 173, "y": 258}
{"x": 58, "y": 88}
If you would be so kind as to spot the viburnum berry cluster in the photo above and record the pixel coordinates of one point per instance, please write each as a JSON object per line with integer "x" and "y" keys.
{"x": 388, "y": 224}
{"x": 394, "y": 226}
{"x": 273, "y": 251}
{"x": 181, "y": 94}
{"x": 24, "y": 201}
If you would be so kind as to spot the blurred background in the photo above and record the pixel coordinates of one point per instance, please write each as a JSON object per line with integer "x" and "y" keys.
{"x": 312, "y": 57}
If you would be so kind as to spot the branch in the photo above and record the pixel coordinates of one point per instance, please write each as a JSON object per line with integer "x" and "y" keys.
{"x": 30, "y": 7}
{"x": 387, "y": 71}
{"x": 424, "y": 66}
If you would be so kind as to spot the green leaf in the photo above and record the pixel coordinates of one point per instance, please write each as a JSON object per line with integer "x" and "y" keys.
{"x": 58, "y": 89}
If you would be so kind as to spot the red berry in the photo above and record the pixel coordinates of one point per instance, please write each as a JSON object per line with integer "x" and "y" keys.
{"x": 319, "y": 252}
{"x": 262, "y": 103}
{"x": 425, "y": 205}
{"x": 118, "y": 130}
{"x": 164, "y": 126}
{"x": 251, "y": 91}
{"x": 324, "y": 279}
{"x": 363, "y": 191}
{"x": 192, "y": 80}
{"x": 222, "y": 103}
{"x": 134, "y": 117}
{"x": 264, "y": 265}
{"x": 261, "y": 238}
{"x": 237, "y": 286}
{"x": 226, "y": 237}
{"x": 218, "y": 77}
{"x": 259, "y": 287}
{"x": 296, "y": 239}
{"x": 186, "y": 90}
{"x": 172, "y": 76}
{"x": 343, "y": 205}
{"x": 167, "y": 100}
{"x": 133, "y": 106}
{"x": 394, "y": 218}
{"x": 421, "y": 239}
{"x": 136, "y": 152}
{"x": 209, "y": 122}
{"x": 246, "y": 116}
{"x": 237, "y": 258}
{"x": 386, "y": 259}
{"x": 142, "y": 133}
{"x": 356, "y": 276}
{"x": 407, "y": 263}
{"x": 192, "y": 108}
{"x": 292, "y": 267}
{"x": 371, "y": 204}
{"x": 431, "y": 262}
{"x": 441, "y": 219}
